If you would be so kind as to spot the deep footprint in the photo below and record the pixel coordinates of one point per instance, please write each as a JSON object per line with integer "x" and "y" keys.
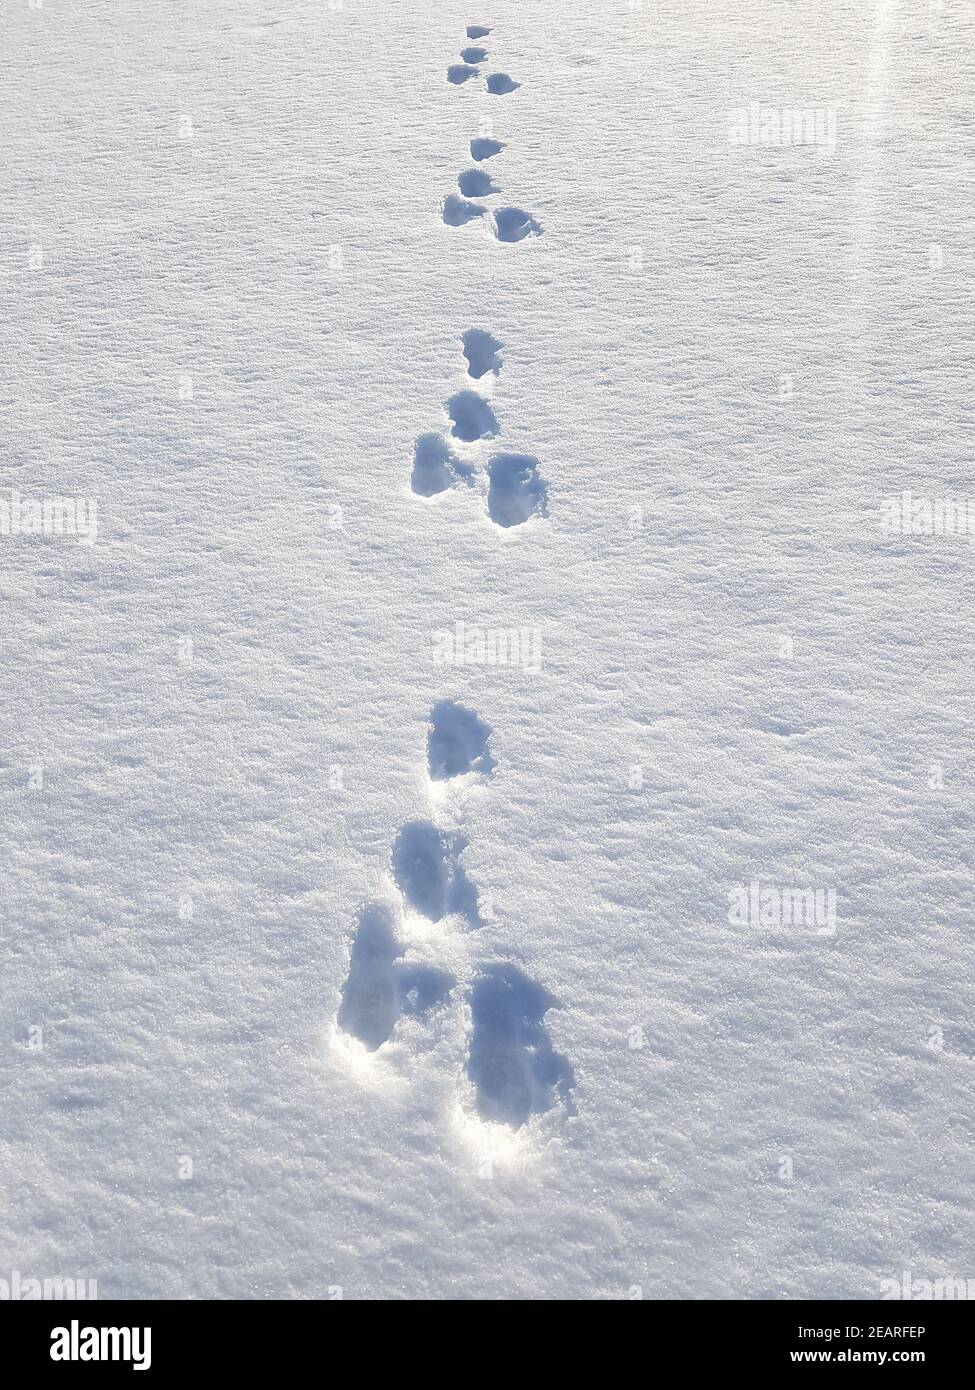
{"x": 472, "y": 417}
{"x": 429, "y": 874}
{"x": 473, "y": 55}
{"x": 457, "y": 211}
{"x": 514, "y": 224}
{"x": 381, "y": 987}
{"x": 482, "y": 147}
{"x": 457, "y": 742}
{"x": 477, "y": 31}
{"x": 435, "y": 466}
{"x": 499, "y": 84}
{"x": 514, "y": 1068}
{"x": 370, "y": 1006}
{"x": 460, "y": 72}
{"x": 516, "y": 491}
{"x": 483, "y": 353}
{"x": 476, "y": 183}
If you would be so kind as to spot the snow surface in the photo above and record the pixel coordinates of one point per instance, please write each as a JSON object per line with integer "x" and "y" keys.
{"x": 232, "y": 306}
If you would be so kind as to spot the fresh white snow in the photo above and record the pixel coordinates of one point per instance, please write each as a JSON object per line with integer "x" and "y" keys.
{"x": 337, "y": 965}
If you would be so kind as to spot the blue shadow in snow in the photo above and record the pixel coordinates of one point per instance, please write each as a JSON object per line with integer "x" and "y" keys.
{"x": 514, "y": 1068}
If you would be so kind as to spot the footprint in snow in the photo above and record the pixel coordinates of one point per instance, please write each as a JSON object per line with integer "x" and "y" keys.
{"x": 476, "y": 183}
{"x": 429, "y": 874}
{"x": 514, "y": 224}
{"x": 381, "y": 987}
{"x": 457, "y": 211}
{"x": 477, "y": 31}
{"x": 436, "y": 467}
{"x": 516, "y": 491}
{"x": 460, "y": 72}
{"x": 457, "y": 742}
{"x": 483, "y": 147}
{"x": 483, "y": 353}
{"x": 515, "y": 1070}
{"x": 472, "y": 417}
{"x": 473, "y": 55}
{"x": 499, "y": 84}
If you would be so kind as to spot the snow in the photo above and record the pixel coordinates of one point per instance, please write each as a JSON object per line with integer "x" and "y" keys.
{"x": 235, "y": 303}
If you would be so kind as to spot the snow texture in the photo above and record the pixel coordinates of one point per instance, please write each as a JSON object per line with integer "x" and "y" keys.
{"x": 497, "y": 615}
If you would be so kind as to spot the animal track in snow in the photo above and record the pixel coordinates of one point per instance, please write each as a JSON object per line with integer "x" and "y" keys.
{"x": 457, "y": 742}
{"x": 457, "y": 211}
{"x": 472, "y": 417}
{"x": 483, "y": 147}
{"x": 509, "y": 224}
{"x": 514, "y": 224}
{"x": 499, "y": 84}
{"x": 512, "y": 1065}
{"x": 514, "y": 1068}
{"x": 429, "y": 874}
{"x": 435, "y": 466}
{"x": 476, "y": 183}
{"x": 483, "y": 353}
{"x": 516, "y": 491}
{"x": 381, "y": 986}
